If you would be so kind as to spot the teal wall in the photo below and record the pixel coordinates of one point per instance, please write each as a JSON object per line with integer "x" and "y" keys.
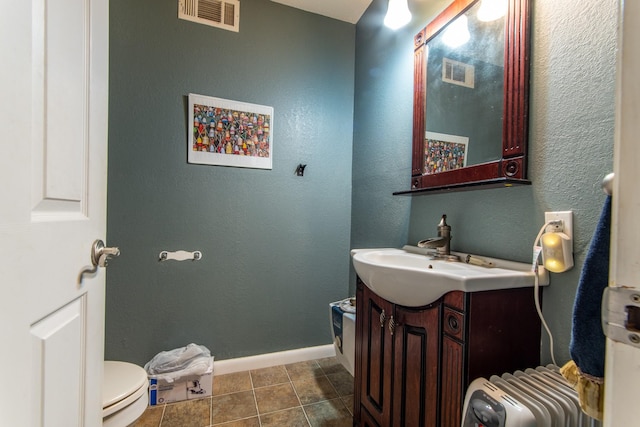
{"x": 275, "y": 245}
{"x": 571, "y": 128}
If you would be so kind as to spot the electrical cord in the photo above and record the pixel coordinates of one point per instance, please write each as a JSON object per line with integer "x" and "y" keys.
{"x": 536, "y": 296}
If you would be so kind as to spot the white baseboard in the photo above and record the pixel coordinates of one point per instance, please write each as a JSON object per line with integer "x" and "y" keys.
{"x": 267, "y": 360}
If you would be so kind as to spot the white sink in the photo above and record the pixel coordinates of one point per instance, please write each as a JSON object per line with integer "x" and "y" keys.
{"x": 409, "y": 277}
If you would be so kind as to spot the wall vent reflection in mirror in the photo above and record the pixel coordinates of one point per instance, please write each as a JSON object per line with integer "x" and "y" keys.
{"x": 457, "y": 73}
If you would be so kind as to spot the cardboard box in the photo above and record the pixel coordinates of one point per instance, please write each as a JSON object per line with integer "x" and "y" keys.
{"x": 182, "y": 388}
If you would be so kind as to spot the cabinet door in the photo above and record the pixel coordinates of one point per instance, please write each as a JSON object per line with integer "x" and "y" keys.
{"x": 415, "y": 389}
{"x": 367, "y": 420}
{"x": 452, "y": 382}
{"x": 376, "y": 360}
{"x": 452, "y": 366}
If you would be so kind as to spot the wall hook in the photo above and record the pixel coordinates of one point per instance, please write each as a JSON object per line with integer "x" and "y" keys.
{"x": 300, "y": 169}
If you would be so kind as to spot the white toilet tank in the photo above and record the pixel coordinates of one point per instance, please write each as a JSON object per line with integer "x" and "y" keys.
{"x": 342, "y": 315}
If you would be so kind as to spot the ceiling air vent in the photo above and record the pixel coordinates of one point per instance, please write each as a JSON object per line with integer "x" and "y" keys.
{"x": 216, "y": 13}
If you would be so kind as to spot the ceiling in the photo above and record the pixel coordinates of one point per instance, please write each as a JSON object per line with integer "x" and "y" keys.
{"x": 343, "y": 10}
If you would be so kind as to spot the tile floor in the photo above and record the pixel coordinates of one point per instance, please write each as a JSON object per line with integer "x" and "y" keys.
{"x": 316, "y": 393}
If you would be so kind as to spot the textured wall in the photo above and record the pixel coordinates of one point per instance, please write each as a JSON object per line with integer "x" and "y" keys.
{"x": 570, "y": 146}
{"x": 275, "y": 245}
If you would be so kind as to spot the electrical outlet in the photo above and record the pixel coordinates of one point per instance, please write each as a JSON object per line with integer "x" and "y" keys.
{"x": 567, "y": 222}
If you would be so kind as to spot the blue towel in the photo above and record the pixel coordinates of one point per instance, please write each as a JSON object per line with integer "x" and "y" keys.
{"x": 336, "y": 314}
{"x": 587, "y": 345}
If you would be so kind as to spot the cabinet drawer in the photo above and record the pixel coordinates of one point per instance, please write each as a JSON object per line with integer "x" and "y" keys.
{"x": 453, "y": 323}
{"x": 455, "y": 299}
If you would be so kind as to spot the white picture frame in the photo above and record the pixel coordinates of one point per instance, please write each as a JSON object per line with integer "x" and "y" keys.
{"x": 223, "y": 132}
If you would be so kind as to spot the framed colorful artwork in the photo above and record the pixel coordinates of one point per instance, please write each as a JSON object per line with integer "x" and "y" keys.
{"x": 230, "y": 133}
{"x": 444, "y": 152}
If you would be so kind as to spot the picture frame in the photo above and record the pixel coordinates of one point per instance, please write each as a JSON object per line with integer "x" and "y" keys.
{"x": 223, "y": 132}
{"x": 443, "y": 152}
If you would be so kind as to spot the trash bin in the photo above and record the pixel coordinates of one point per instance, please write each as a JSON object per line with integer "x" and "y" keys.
{"x": 180, "y": 374}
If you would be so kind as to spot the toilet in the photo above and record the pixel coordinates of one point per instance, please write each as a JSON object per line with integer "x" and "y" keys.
{"x": 342, "y": 315}
{"x": 124, "y": 393}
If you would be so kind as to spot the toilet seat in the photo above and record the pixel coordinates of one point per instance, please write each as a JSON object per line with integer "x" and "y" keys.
{"x": 124, "y": 393}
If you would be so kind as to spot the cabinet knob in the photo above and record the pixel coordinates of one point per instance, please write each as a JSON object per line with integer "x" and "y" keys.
{"x": 453, "y": 323}
{"x": 382, "y": 319}
{"x": 392, "y": 325}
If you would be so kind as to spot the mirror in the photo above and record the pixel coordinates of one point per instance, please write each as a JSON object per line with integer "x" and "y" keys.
{"x": 471, "y": 97}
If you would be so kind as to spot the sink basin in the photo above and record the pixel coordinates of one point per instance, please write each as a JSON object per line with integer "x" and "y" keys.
{"x": 409, "y": 276}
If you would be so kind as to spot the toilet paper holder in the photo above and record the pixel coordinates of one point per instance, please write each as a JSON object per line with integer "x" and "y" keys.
{"x": 180, "y": 256}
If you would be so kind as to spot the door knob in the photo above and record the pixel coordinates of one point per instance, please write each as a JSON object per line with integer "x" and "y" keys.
{"x": 100, "y": 254}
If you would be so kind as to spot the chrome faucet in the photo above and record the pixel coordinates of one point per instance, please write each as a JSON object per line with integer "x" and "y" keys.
{"x": 441, "y": 243}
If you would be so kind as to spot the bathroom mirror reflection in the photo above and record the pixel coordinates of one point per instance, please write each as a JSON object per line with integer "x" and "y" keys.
{"x": 465, "y": 79}
{"x": 471, "y": 97}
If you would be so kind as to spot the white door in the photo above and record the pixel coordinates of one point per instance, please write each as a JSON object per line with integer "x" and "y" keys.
{"x": 53, "y": 149}
{"x": 622, "y": 375}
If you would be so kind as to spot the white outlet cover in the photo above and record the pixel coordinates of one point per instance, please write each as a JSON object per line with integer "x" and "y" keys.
{"x": 567, "y": 220}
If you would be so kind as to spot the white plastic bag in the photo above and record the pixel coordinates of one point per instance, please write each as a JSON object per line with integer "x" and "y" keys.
{"x": 180, "y": 362}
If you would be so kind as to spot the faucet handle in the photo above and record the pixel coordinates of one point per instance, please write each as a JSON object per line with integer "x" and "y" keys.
{"x": 443, "y": 222}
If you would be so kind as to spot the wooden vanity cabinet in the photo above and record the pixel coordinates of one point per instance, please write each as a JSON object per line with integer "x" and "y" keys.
{"x": 413, "y": 364}
{"x": 374, "y": 355}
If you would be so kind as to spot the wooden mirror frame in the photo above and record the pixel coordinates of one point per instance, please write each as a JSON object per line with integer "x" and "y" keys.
{"x": 509, "y": 170}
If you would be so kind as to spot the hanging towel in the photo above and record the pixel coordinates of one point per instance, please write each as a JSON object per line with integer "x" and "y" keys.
{"x": 587, "y": 347}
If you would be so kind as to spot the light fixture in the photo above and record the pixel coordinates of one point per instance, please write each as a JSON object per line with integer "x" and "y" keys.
{"x": 457, "y": 33}
{"x": 557, "y": 242}
{"x": 398, "y": 14}
{"x": 557, "y": 252}
{"x": 490, "y": 10}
